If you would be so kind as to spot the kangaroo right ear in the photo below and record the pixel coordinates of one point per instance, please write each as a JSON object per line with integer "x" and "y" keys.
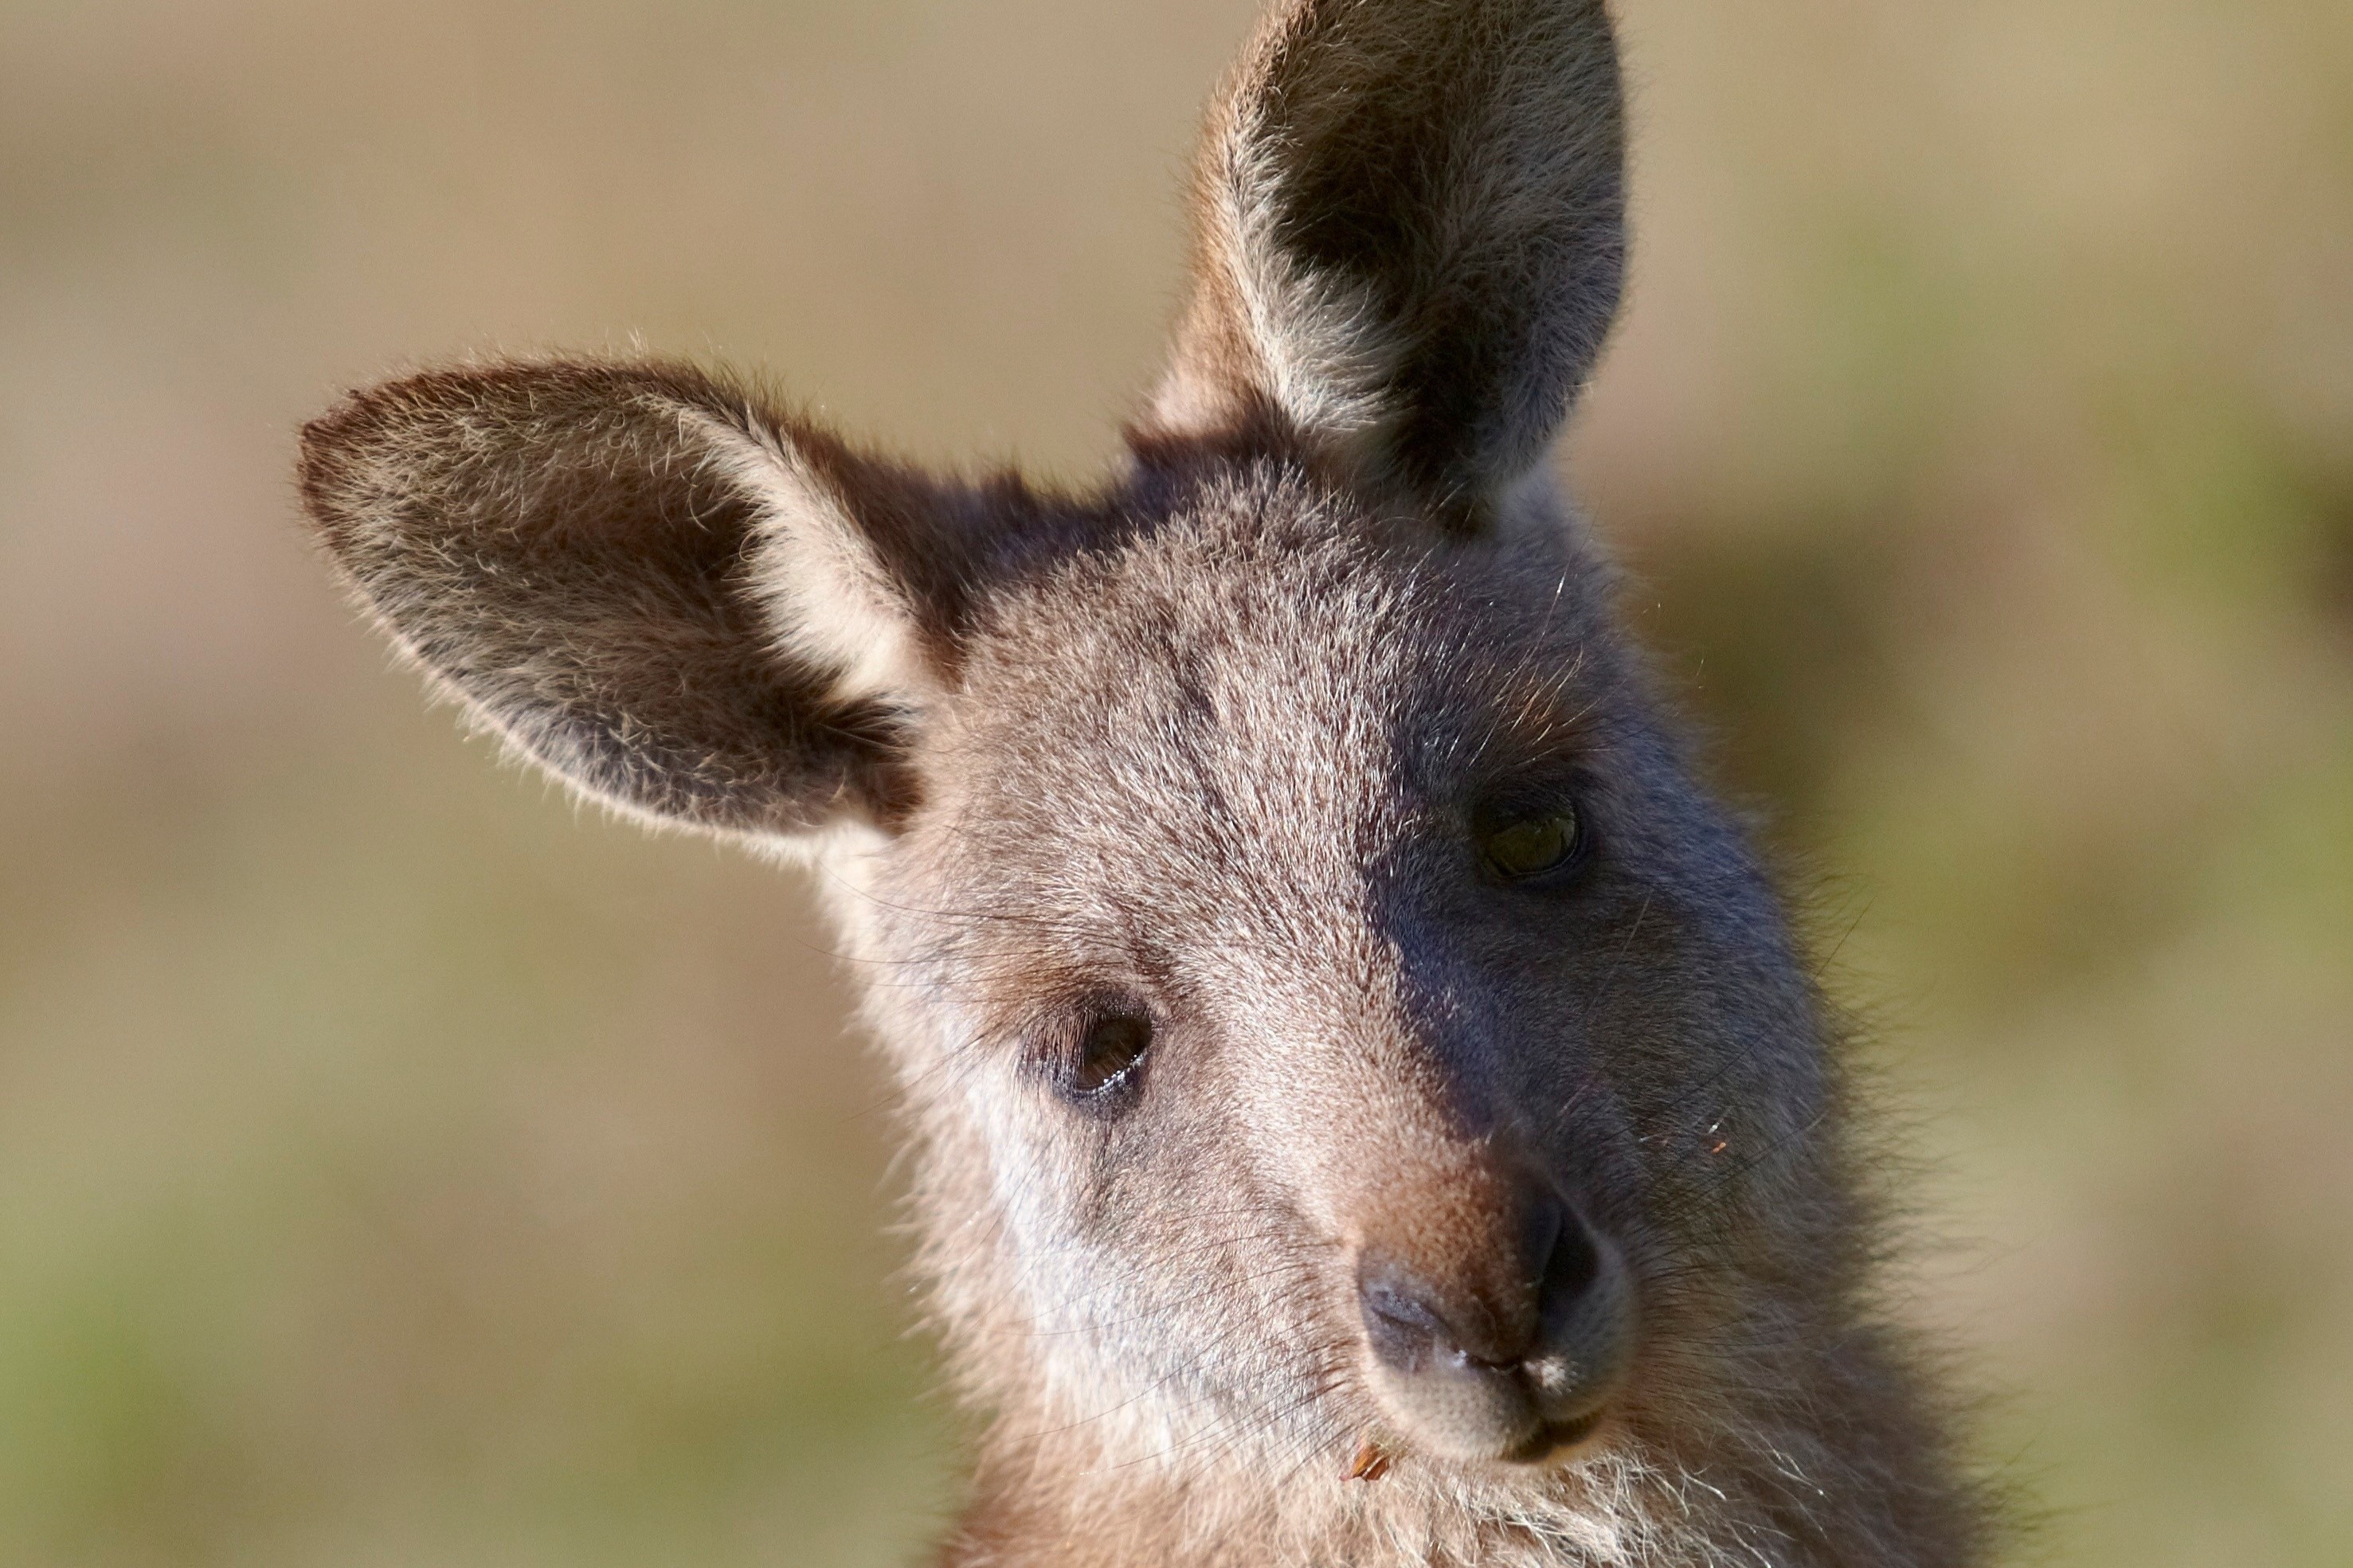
{"x": 674, "y": 599}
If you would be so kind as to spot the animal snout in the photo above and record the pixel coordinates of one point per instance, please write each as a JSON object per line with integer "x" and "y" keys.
{"x": 1504, "y": 1343}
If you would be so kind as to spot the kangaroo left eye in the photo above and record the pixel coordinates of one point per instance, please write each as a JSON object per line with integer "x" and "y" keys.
{"x": 1109, "y": 1055}
{"x": 1524, "y": 847}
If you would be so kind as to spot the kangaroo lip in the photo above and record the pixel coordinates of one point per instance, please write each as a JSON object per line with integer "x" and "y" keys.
{"x": 1556, "y": 1437}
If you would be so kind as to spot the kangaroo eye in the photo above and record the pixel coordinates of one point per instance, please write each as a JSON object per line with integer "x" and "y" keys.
{"x": 1108, "y": 1056}
{"x": 1522, "y": 847}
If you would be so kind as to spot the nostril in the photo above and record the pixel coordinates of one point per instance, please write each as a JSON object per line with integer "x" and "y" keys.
{"x": 1405, "y": 1329}
{"x": 1387, "y": 1296}
{"x": 1574, "y": 1264}
{"x": 1414, "y": 1323}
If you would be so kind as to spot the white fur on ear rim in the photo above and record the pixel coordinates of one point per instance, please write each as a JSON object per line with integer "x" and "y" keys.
{"x": 1322, "y": 348}
{"x": 1328, "y": 354}
{"x": 827, "y": 598}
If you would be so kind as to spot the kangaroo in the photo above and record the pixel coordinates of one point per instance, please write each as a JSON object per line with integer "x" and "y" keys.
{"x": 1369, "y": 1105}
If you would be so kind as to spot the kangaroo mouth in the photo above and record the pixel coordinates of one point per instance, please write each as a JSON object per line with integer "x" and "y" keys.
{"x": 1556, "y": 1440}
{"x": 1538, "y": 1403}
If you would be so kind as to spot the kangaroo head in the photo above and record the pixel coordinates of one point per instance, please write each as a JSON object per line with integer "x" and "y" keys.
{"x": 1327, "y": 1010}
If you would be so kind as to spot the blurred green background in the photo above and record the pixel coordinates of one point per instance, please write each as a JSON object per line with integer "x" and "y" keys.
{"x": 398, "y": 1166}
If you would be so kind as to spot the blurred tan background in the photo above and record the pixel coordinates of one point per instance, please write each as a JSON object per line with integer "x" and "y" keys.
{"x": 399, "y": 1167}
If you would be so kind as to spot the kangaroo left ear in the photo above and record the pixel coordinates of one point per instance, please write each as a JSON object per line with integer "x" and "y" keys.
{"x": 1411, "y": 237}
{"x": 676, "y": 599}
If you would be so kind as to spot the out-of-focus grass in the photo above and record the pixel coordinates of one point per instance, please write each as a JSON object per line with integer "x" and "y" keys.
{"x": 446, "y": 1182}
{"x": 395, "y": 1167}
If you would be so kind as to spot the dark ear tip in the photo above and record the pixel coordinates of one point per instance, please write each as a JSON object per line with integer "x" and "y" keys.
{"x": 361, "y": 460}
{"x": 328, "y": 450}
{"x": 341, "y": 455}
{"x": 436, "y": 402}
{"x": 365, "y": 448}
{"x": 368, "y": 411}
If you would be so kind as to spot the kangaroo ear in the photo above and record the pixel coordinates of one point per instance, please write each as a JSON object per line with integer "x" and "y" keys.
{"x": 1409, "y": 237}
{"x": 669, "y": 596}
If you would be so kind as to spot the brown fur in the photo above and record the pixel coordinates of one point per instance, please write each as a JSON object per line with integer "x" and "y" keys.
{"x": 1209, "y": 754}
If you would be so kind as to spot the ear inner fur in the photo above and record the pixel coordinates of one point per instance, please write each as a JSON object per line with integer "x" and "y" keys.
{"x": 1410, "y": 236}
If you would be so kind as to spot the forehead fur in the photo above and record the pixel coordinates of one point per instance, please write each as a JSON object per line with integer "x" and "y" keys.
{"x": 1261, "y": 661}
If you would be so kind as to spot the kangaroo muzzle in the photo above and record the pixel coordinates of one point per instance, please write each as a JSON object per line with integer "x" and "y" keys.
{"x": 1511, "y": 1349}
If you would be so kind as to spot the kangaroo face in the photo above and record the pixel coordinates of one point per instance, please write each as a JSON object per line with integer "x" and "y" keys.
{"x": 1328, "y": 1011}
{"x": 1326, "y": 949}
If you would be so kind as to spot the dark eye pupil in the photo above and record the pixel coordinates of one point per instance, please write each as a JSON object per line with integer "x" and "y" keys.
{"x": 1110, "y": 1052}
{"x": 1532, "y": 845}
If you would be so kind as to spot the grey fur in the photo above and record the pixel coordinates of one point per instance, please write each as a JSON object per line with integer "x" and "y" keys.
{"x": 1210, "y": 748}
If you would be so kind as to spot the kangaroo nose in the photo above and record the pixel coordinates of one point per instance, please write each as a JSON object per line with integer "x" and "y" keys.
{"x": 1488, "y": 1311}
{"x": 1512, "y": 1352}
{"x": 1496, "y": 1312}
